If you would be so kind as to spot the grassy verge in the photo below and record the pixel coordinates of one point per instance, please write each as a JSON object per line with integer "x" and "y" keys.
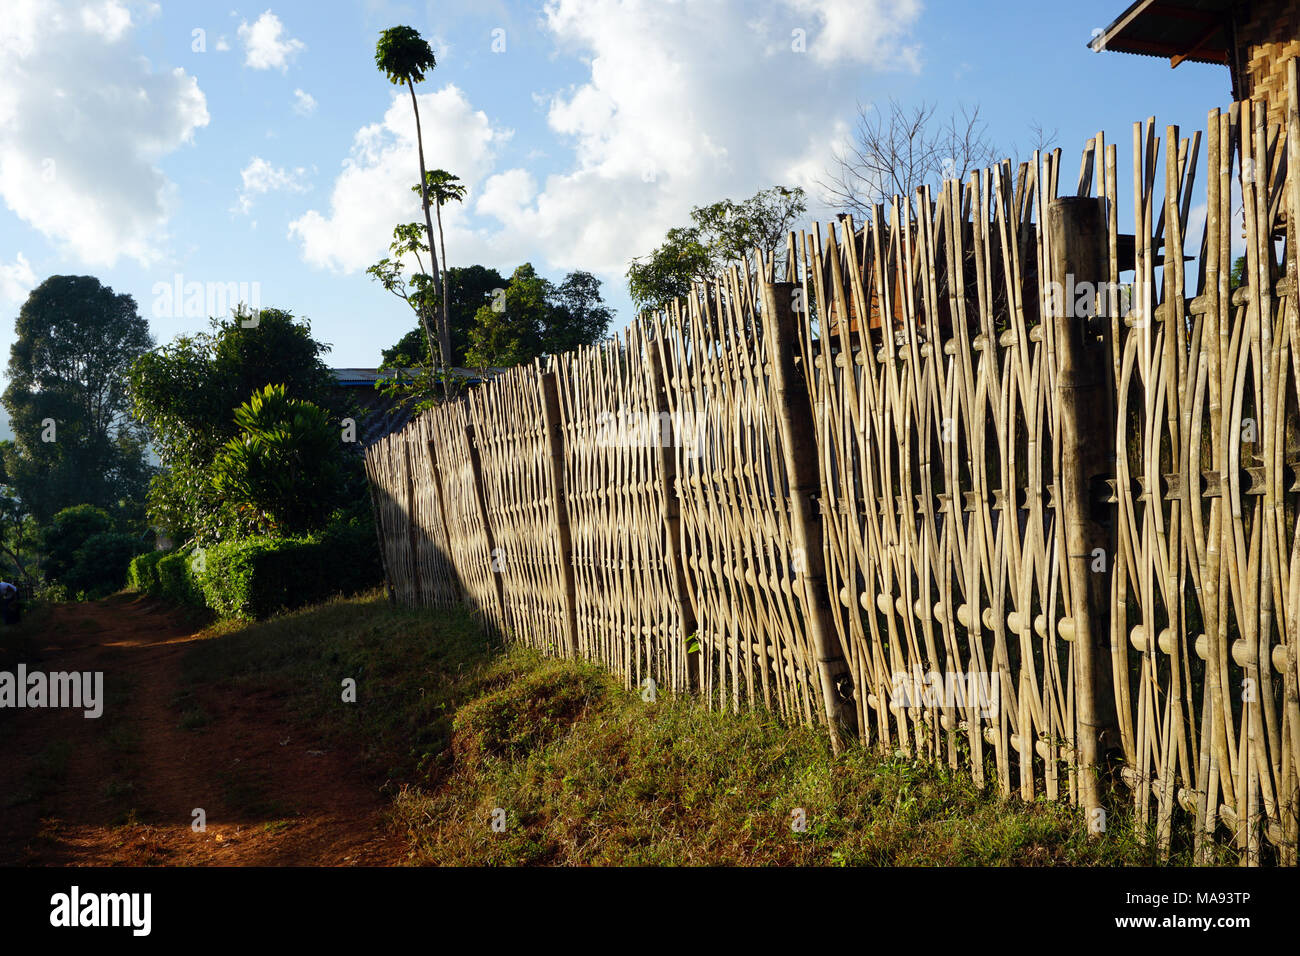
{"x": 496, "y": 756}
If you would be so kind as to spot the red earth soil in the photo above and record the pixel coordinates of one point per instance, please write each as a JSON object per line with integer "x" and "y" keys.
{"x": 122, "y": 789}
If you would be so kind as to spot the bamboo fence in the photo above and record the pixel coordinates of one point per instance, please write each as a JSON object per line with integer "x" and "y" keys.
{"x": 922, "y": 497}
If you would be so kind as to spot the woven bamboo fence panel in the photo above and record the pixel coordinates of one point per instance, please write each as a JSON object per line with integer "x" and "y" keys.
{"x": 929, "y": 339}
{"x": 519, "y": 483}
{"x": 1207, "y": 586}
{"x": 467, "y": 536}
{"x": 940, "y": 457}
{"x": 386, "y": 469}
{"x": 627, "y": 605}
{"x": 438, "y": 580}
{"x": 740, "y": 559}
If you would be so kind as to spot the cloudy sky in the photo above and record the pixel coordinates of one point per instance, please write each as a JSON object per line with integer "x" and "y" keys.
{"x": 141, "y": 142}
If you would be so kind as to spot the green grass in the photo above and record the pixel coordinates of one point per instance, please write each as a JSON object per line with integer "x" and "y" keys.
{"x": 582, "y": 772}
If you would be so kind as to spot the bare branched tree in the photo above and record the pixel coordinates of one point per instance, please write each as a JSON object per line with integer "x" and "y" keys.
{"x": 896, "y": 150}
{"x": 1040, "y": 138}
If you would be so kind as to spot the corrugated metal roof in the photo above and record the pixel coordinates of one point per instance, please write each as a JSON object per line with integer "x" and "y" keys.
{"x": 368, "y": 376}
{"x": 1193, "y": 30}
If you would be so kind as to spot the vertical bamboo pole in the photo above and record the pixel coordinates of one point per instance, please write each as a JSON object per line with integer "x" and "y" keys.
{"x": 1086, "y": 416}
{"x": 480, "y": 496}
{"x": 560, "y": 507}
{"x": 798, "y": 445}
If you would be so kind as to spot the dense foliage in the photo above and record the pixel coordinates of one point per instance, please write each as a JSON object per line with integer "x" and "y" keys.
{"x": 74, "y": 439}
{"x": 536, "y": 317}
{"x": 101, "y": 563}
{"x": 468, "y": 288}
{"x": 84, "y": 554}
{"x": 67, "y": 532}
{"x": 284, "y": 471}
{"x": 719, "y": 234}
{"x": 187, "y": 392}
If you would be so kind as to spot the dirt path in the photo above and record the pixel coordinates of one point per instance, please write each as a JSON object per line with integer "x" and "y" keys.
{"x": 123, "y": 788}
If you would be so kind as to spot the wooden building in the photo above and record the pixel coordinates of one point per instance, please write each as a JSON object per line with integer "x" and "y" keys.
{"x": 1254, "y": 39}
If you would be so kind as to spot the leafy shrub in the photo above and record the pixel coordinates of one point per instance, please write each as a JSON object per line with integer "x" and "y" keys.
{"x": 283, "y": 468}
{"x": 100, "y": 565}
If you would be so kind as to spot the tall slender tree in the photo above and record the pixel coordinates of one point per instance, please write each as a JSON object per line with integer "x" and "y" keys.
{"x": 404, "y": 57}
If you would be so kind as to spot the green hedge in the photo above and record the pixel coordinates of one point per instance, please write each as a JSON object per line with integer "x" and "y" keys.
{"x": 142, "y": 572}
{"x": 176, "y": 578}
{"x": 256, "y": 577}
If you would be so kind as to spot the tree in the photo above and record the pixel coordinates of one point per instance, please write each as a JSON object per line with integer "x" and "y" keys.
{"x": 74, "y": 439}
{"x": 187, "y": 393}
{"x": 721, "y": 233}
{"x": 668, "y": 273}
{"x": 578, "y": 315}
{"x": 283, "y": 467}
{"x": 512, "y": 333}
{"x": 898, "y": 150}
{"x": 19, "y": 533}
{"x": 67, "y": 532}
{"x": 535, "y": 317}
{"x": 404, "y": 57}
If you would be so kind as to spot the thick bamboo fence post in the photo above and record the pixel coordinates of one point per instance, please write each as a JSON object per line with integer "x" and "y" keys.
{"x": 476, "y": 468}
{"x": 564, "y": 538}
{"x": 798, "y": 445}
{"x": 1086, "y": 416}
{"x": 673, "y": 514}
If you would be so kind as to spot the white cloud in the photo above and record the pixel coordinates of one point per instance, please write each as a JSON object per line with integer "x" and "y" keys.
{"x": 109, "y": 19}
{"x": 84, "y": 120}
{"x": 263, "y": 48}
{"x": 16, "y": 281}
{"x": 373, "y": 192}
{"x": 861, "y": 31}
{"x": 260, "y": 177}
{"x": 222, "y": 44}
{"x": 734, "y": 107}
{"x": 505, "y": 194}
{"x": 304, "y": 104}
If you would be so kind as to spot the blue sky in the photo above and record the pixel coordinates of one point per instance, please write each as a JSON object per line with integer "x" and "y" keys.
{"x": 266, "y": 147}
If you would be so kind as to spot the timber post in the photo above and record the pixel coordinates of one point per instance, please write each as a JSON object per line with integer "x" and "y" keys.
{"x": 672, "y": 510}
{"x": 799, "y": 448}
{"x": 549, "y": 383}
{"x": 1086, "y": 417}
